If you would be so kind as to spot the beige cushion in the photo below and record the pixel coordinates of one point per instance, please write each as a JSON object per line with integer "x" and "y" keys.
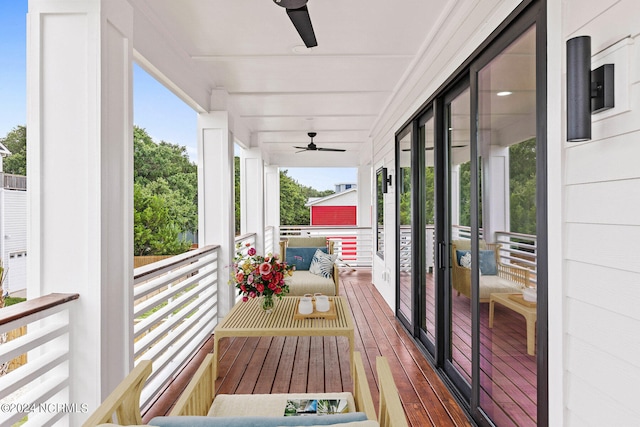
{"x": 496, "y": 284}
{"x": 303, "y": 282}
{"x": 267, "y": 405}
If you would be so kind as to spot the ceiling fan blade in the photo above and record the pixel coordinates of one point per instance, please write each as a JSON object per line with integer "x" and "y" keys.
{"x": 301, "y": 148}
{"x": 331, "y": 149}
{"x": 302, "y": 21}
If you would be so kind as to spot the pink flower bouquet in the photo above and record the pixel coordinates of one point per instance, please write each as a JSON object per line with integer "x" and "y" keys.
{"x": 255, "y": 275}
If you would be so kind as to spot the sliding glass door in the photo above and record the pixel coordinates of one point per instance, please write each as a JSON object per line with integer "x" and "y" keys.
{"x": 471, "y": 230}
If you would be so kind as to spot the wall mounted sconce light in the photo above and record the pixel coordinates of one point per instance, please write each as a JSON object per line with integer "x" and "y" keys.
{"x": 588, "y": 92}
{"x": 386, "y": 180}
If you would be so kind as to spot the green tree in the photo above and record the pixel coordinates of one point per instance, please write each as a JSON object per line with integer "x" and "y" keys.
{"x": 292, "y": 202}
{"x": 522, "y": 186}
{"x": 154, "y": 230}
{"x": 16, "y": 142}
{"x": 165, "y": 196}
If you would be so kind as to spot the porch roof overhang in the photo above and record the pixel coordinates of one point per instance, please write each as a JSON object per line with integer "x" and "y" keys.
{"x": 247, "y": 58}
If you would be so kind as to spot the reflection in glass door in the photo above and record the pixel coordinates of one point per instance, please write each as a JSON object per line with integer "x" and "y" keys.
{"x": 459, "y": 345}
{"x": 426, "y": 143}
{"x": 404, "y": 188}
{"x": 507, "y": 198}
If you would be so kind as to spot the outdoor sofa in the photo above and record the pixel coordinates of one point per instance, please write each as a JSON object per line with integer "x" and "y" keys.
{"x": 199, "y": 406}
{"x": 300, "y": 251}
{"x": 495, "y": 277}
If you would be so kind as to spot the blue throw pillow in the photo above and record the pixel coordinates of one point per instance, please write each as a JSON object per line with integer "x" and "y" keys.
{"x": 252, "y": 421}
{"x": 301, "y": 257}
{"x": 488, "y": 265}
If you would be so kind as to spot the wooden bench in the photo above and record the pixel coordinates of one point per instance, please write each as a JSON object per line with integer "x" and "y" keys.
{"x": 122, "y": 407}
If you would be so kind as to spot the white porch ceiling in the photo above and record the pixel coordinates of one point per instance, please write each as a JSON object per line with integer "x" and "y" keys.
{"x": 337, "y": 89}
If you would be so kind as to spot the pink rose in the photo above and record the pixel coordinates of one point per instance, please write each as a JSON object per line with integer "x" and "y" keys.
{"x": 252, "y": 294}
{"x": 245, "y": 299}
{"x": 278, "y": 291}
{"x": 252, "y": 251}
{"x": 260, "y": 287}
{"x": 250, "y": 279}
{"x": 265, "y": 268}
{"x": 240, "y": 277}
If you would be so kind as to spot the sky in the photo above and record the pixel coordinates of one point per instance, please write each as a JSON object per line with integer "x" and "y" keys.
{"x": 156, "y": 109}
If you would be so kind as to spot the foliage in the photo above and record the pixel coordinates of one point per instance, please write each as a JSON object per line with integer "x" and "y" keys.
{"x": 293, "y": 198}
{"x": 165, "y": 196}
{"x": 255, "y": 275}
{"x": 16, "y": 142}
{"x": 522, "y": 186}
{"x": 404, "y": 186}
{"x": 465, "y": 194}
{"x": 155, "y": 231}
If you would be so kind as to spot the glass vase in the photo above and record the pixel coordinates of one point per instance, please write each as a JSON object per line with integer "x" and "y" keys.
{"x": 267, "y": 303}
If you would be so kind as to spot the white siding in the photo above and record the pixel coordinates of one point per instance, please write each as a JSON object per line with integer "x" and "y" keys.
{"x": 15, "y": 238}
{"x": 601, "y": 225}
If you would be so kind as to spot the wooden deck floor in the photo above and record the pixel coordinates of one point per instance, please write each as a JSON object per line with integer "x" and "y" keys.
{"x": 317, "y": 364}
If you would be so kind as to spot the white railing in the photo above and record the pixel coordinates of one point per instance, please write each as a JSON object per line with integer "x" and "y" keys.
{"x": 354, "y": 245}
{"x": 175, "y": 311}
{"x": 405, "y": 248}
{"x": 515, "y": 248}
{"x": 519, "y": 249}
{"x": 270, "y": 240}
{"x": 43, "y": 380}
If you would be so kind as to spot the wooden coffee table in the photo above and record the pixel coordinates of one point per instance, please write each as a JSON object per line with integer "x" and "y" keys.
{"x": 529, "y": 313}
{"x": 248, "y": 319}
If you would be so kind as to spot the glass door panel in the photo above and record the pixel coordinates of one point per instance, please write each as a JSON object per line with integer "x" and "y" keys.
{"x": 428, "y": 312}
{"x": 507, "y": 190}
{"x": 406, "y": 239}
{"x": 459, "y": 346}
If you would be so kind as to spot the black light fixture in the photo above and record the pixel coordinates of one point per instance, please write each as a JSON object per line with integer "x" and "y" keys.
{"x": 588, "y": 92}
{"x": 386, "y": 180}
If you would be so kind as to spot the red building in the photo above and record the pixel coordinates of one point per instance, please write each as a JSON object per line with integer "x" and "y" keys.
{"x": 336, "y": 209}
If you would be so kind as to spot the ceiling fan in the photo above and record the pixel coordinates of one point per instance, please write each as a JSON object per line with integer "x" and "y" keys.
{"x": 313, "y": 147}
{"x": 299, "y": 15}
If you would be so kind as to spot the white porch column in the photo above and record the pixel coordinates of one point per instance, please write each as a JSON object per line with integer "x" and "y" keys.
{"x": 365, "y": 198}
{"x": 80, "y": 215}
{"x": 495, "y": 188}
{"x": 216, "y": 197}
{"x": 272, "y": 203}
{"x": 252, "y": 201}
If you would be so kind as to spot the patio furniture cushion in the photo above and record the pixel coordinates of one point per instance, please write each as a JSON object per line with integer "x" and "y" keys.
{"x": 488, "y": 265}
{"x": 301, "y": 257}
{"x": 322, "y": 264}
{"x": 308, "y": 283}
{"x": 496, "y": 284}
{"x": 269, "y": 405}
{"x": 256, "y": 421}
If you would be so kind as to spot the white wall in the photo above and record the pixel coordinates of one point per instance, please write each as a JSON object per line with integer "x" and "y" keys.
{"x": 14, "y": 251}
{"x": 601, "y": 220}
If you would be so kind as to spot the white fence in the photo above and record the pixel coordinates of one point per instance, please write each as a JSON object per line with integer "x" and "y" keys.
{"x": 354, "y": 245}
{"x": 43, "y": 381}
{"x": 175, "y": 311}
